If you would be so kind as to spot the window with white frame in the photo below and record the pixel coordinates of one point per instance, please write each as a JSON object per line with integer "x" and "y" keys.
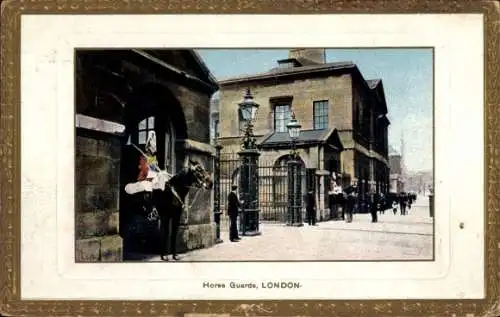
{"x": 145, "y": 126}
{"x": 282, "y": 116}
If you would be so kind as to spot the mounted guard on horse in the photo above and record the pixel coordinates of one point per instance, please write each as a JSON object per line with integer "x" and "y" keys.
{"x": 150, "y": 177}
{"x": 164, "y": 193}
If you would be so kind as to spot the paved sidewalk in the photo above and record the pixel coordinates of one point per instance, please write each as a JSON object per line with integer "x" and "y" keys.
{"x": 394, "y": 237}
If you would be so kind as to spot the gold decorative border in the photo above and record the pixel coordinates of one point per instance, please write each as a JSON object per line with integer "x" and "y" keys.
{"x": 10, "y": 231}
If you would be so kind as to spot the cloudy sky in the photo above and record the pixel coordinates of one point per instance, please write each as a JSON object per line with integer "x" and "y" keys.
{"x": 407, "y": 75}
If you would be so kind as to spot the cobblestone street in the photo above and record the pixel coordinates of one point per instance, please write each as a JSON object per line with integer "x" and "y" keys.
{"x": 394, "y": 237}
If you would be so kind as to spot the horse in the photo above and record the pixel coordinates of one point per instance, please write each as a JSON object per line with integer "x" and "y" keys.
{"x": 168, "y": 204}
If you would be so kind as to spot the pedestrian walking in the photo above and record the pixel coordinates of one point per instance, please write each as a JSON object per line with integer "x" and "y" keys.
{"x": 310, "y": 208}
{"x": 350, "y": 205}
{"x": 335, "y": 196}
{"x": 373, "y": 203}
{"x": 332, "y": 203}
{"x": 402, "y": 203}
{"x": 233, "y": 207}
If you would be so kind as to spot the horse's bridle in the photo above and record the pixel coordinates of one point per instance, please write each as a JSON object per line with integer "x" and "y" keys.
{"x": 198, "y": 172}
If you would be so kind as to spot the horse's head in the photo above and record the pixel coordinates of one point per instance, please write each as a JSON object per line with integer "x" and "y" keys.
{"x": 201, "y": 177}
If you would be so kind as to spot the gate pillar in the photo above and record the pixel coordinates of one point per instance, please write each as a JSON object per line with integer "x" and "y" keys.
{"x": 217, "y": 192}
{"x": 249, "y": 192}
{"x": 294, "y": 210}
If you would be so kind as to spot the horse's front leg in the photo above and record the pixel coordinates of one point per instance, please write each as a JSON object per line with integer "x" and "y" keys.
{"x": 163, "y": 235}
{"x": 176, "y": 219}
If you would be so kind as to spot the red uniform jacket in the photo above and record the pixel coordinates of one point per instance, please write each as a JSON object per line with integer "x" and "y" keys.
{"x": 143, "y": 169}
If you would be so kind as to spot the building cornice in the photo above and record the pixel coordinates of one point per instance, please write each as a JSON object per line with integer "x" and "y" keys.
{"x": 278, "y": 75}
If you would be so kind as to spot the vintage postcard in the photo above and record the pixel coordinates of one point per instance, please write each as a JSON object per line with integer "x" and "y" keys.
{"x": 284, "y": 164}
{"x": 320, "y": 154}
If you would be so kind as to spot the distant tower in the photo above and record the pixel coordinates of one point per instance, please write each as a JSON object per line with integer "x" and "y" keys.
{"x": 316, "y": 55}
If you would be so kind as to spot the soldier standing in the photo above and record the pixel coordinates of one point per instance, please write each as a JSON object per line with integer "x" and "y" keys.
{"x": 148, "y": 169}
{"x": 232, "y": 211}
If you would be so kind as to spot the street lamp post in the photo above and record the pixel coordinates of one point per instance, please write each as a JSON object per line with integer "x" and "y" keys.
{"x": 217, "y": 211}
{"x": 249, "y": 173}
{"x": 294, "y": 177}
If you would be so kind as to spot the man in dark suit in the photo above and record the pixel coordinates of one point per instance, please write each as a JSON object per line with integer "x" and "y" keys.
{"x": 351, "y": 202}
{"x": 310, "y": 208}
{"x": 402, "y": 203}
{"x": 373, "y": 205}
{"x": 232, "y": 211}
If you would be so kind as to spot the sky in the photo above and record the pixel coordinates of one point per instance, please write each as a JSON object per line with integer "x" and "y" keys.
{"x": 407, "y": 76}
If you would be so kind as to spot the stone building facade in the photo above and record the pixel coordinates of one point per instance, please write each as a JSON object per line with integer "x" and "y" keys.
{"x": 120, "y": 95}
{"x": 343, "y": 118}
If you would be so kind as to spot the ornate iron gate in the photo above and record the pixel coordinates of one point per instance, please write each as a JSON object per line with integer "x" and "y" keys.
{"x": 273, "y": 198}
{"x": 273, "y": 187}
{"x": 229, "y": 165}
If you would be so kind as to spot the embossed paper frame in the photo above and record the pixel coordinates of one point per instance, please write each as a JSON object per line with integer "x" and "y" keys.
{"x": 10, "y": 302}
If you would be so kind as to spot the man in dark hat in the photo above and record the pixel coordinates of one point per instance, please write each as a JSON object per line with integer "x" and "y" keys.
{"x": 310, "y": 208}
{"x": 373, "y": 205}
{"x": 402, "y": 203}
{"x": 232, "y": 211}
{"x": 351, "y": 202}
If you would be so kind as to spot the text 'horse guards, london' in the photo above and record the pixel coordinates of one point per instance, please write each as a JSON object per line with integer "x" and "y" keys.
{"x": 165, "y": 194}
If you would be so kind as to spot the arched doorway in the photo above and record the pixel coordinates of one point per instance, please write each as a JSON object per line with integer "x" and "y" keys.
{"x": 151, "y": 107}
{"x": 280, "y": 188}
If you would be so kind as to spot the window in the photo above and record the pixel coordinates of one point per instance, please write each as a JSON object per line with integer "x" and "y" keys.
{"x": 282, "y": 115}
{"x": 169, "y": 149}
{"x": 144, "y": 127}
{"x": 216, "y": 128}
{"x": 320, "y": 114}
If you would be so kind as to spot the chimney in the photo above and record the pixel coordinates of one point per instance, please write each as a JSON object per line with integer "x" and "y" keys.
{"x": 316, "y": 55}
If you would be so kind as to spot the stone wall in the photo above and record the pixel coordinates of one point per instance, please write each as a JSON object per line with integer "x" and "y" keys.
{"x": 96, "y": 198}
{"x": 196, "y": 107}
{"x": 197, "y": 229}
